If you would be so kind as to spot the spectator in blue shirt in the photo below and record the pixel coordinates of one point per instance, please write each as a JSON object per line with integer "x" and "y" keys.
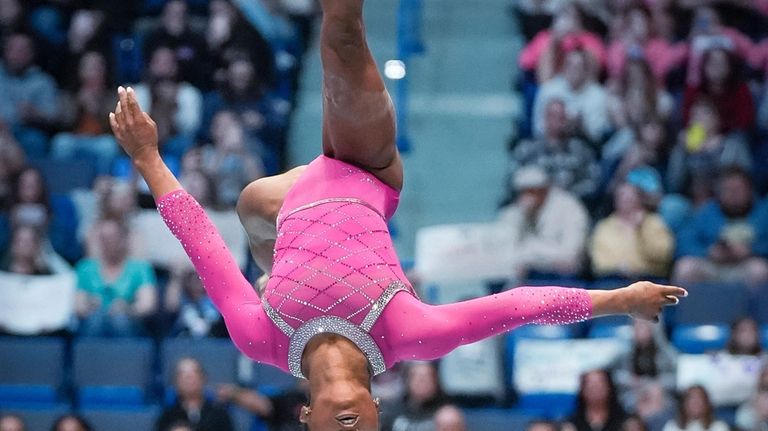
{"x": 727, "y": 239}
{"x": 29, "y": 95}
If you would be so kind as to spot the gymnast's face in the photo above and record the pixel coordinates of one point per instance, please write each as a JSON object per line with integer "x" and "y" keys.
{"x": 341, "y": 407}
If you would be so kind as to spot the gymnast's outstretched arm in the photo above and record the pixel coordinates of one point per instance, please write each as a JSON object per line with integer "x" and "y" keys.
{"x": 442, "y": 328}
{"x": 227, "y": 287}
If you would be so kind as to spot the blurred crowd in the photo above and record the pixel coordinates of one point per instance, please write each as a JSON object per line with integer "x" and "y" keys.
{"x": 645, "y": 123}
{"x": 643, "y": 153}
{"x": 219, "y": 77}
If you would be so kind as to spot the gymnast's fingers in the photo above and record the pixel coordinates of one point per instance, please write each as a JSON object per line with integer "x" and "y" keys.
{"x": 115, "y": 126}
{"x": 674, "y": 291}
{"x": 671, "y": 300}
{"x": 134, "y": 111}
{"x": 124, "y": 117}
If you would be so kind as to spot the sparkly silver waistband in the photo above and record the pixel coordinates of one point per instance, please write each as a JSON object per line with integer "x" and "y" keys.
{"x": 336, "y": 325}
{"x": 282, "y": 217}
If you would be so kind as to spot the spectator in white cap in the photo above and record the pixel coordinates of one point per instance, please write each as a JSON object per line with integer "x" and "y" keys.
{"x": 549, "y": 227}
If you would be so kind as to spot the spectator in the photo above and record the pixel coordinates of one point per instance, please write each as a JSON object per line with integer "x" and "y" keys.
{"x": 176, "y": 106}
{"x": 199, "y": 184}
{"x": 727, "y": 239}
{"x": 71, "y": 423}
{"x": 597, "y": 404}
{"x": 11, "y": 423}
{"x": 29, "y": 100}
{"x": 423, "y": 398}
{"x": 450, "y": 418}
{"x": 568, "y": 160}
{"x": 721, "y": 85}
{"x": 695, "y": 413}
{"x": 646, "y": 371}
{"x": 744, "y": 338}
{"x": 753, "y": 414}
{"x": 85, "y": 116}
{"x": 116, "y": 200}
{"x": 176, "y": 33}
{"x": 654, "y": 404}
{"x": 638, "y": 40}
{"x": 586, "y": 101}
{"x": 56, "y": 216}
{"x": 708, "y": 32}
{"x": 12, "y": 162}
{"x": 277, "y": 411}
{"x": 229, "y": 36}
{"x": 545, "y": 243}
{"x": 228, "y": 162}
{"x": 193, "y": 310}
{"x": 542, "y": 425}
{"x": 702, "y": 150}
{"x": 12, "y": 17}
{"x": 646, "y": 247}
{"x": 26, "y": 254}
{"x": 191, "y": 404}
{"x": 263, "y": 117}
{"x": 115, "y": 293}
{"x": 637, "y": 98}
{"x": 644, "y": 148}
{"x": 544, "y": 54}
{"x": 634, "y": 423}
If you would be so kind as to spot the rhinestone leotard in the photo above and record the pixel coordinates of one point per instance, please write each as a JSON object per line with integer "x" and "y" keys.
{"x": 335, "y": 271}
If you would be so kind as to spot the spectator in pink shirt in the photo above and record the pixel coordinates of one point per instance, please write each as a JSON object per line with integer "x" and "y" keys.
{"x": 638, "y": 39}
{"x": 546, "y": 52}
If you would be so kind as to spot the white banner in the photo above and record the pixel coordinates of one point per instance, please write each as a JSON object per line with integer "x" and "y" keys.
{"x": 33, "y": 304}
{"x": 473, "y": 369}
{"x": 464, "y": 252}
{"x": 729, "y": 380}
{"x": 556, "y": 365}
{"x": 161, "y": 248}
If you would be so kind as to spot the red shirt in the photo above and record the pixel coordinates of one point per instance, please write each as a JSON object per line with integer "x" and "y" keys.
{"x": 736, "y": 107}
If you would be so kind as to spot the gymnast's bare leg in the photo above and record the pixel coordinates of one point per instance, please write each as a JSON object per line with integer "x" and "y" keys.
{"x": 358, "y": 124}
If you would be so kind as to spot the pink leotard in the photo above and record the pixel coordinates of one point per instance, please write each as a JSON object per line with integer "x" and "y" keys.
{"x": 336, "y": 271}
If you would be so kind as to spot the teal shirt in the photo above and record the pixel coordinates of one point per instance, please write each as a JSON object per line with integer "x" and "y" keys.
{"x": 136, "y": 273}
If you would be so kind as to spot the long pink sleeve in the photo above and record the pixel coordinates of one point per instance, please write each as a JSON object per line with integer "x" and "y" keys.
{"x": 249, "y": 326}
{"x": 411, "y": 329}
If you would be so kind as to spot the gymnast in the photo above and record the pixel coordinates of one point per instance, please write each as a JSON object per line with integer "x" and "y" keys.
{"x": 336, "y": 308}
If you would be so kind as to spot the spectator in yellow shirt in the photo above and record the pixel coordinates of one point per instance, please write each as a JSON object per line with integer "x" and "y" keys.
{"x": 633, "y": 241}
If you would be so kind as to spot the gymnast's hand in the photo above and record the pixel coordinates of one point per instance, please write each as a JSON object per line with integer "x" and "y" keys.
{"x": 137, "y": 134}
{"x": 135, "y": 130}
{"x": 645, "y": 300}
{"x": 642, "y": 300}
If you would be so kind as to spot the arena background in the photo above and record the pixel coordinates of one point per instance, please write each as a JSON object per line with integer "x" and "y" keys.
{"x": 238, "y": 96}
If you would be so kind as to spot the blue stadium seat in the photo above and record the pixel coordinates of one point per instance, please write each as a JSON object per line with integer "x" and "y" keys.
{"x": 98, "y": 385}
{"x": 552, "y": 405}
{"x": 63, "y": 176}
{"x": 142, "y": 418}
{"x": 764, "y": 336}
{"x": 217, "y": 356}
{"x": 31, "y": 371}
{"x": 40, "y": 418}
{"x": 760, "y": 304}
{"x": 611, "y": 331}
{"x": 697, "y": 339}
{"x": 496, "y": 419}
{"x": 712, "y": 303}
{"x": 270, "y": 380}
